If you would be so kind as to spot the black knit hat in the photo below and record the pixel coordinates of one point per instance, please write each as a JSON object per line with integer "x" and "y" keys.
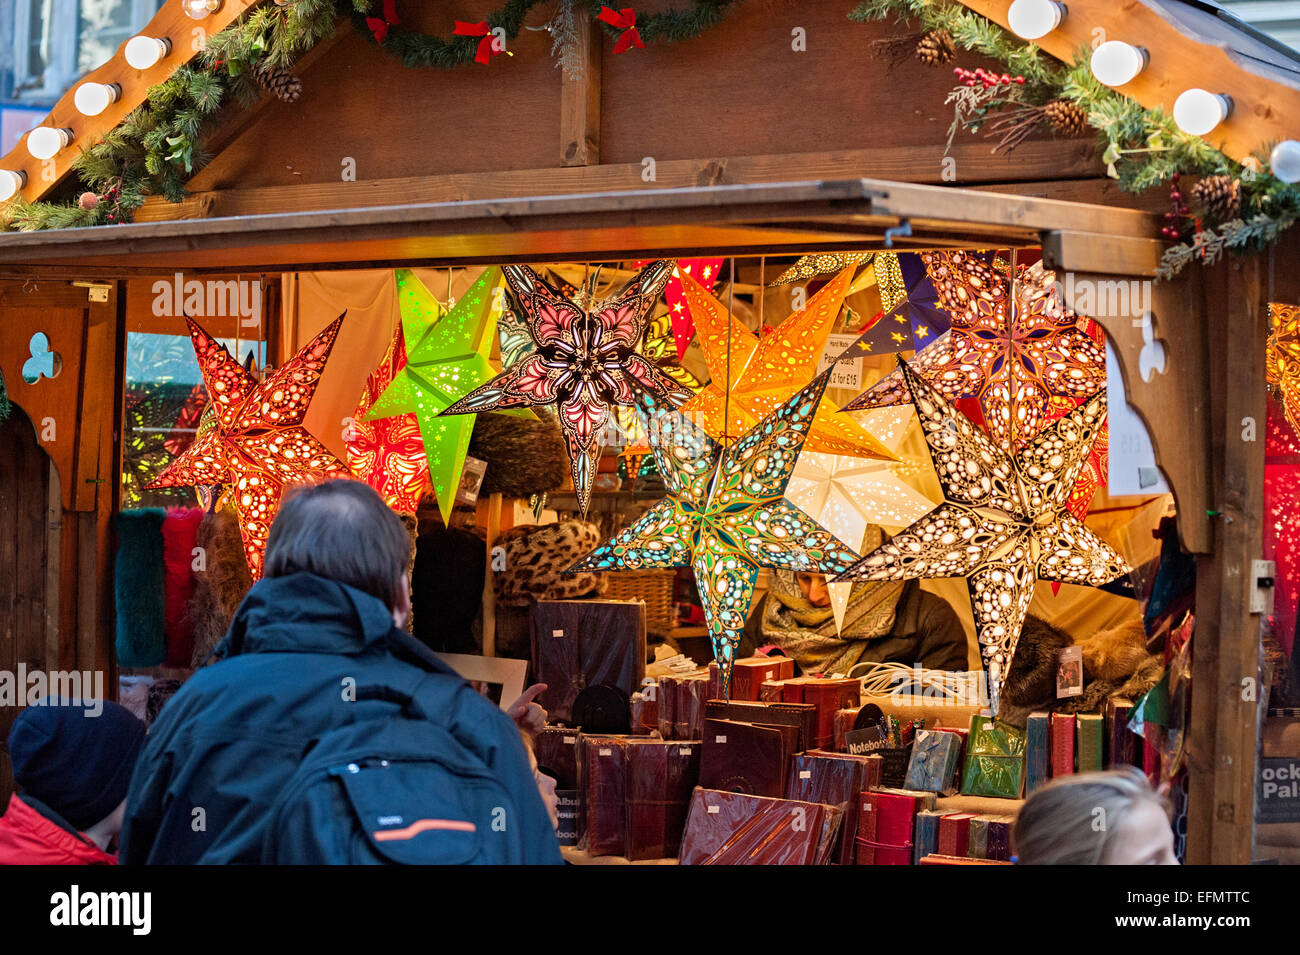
{"x": 75, "y": 757}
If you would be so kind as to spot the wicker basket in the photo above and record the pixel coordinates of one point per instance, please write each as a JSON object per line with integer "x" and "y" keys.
{"x": 655, "y": 587}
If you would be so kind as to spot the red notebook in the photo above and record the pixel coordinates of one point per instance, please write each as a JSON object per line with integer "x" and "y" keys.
{"x": 885, "y": 828}
{"x": 1062, "y": 744}
{"x": 954, "y": 833}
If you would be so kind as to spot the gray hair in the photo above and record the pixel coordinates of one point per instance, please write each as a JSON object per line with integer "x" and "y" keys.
{"x": 342, "y": 530}
{"x": 1073, "y": 820}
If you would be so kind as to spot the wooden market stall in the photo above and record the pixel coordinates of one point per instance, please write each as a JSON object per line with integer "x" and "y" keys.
{"x": 775, "y": 133}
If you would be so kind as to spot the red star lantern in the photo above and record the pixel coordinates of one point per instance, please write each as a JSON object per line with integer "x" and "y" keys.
{"x": 388, "y": 454}
{"x": 254, "y": 439}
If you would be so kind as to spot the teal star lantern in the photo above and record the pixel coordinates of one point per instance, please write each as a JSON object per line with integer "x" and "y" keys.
{"x": 446, "y": 358}
{"x": 725, "y": 514}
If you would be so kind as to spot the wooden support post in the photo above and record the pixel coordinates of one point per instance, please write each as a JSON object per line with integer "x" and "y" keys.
{"x": 489, "y": 593}
{"x": 1224, "y": 727}
{"x": 580, "y": 102}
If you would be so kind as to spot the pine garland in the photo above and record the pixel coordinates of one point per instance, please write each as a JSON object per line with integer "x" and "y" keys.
{"x": 1142, "y": 148}
{"x": 158, "y": 147}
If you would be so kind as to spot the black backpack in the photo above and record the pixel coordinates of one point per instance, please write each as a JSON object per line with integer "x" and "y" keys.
{"x": 392, "y": 787}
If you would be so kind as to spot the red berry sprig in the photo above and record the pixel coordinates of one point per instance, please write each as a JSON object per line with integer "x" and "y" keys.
{"x": 1177, "y": 210}
{"x": 979, "y": 75}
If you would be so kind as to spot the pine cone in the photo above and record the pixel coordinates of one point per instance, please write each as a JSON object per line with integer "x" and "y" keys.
{"x": 935, "y": 48}
{"x": 278, "y": 81}
{"x": 1219, "y": 197}
{"x": 1067, "y": 118}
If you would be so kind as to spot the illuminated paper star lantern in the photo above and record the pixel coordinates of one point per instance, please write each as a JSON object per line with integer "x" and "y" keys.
{"x": 725, "y": 515}
{"x": 811, "y": 266}
{"x": 253, "y": 439}
{"x": 912, "y": 318}
{"x": 657, "y": 345}
{"x": 848, "y": 495}
{"x": 704, "y": 271}
{"x": 446, "y": 358}
{"x": 388, "y": 454}
{"x": 1004, "y": 523}
{"x": 1282, "y": 359}
{"x": 585, "y": 363}
{"x": 765, "y": 370}
{"x": 1013, "y": 360}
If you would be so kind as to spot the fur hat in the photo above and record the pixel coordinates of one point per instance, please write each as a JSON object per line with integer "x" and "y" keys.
{"x": 218, "y": 591}
{"x": 1031, "y": 681}
{"x": 524, "y": 457}
{"x": 536, "y": 557}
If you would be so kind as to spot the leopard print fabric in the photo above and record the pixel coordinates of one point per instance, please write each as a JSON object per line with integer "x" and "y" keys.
{"x": 536, "y": 557}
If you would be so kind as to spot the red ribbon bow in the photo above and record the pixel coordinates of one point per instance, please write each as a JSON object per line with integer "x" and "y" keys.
{"x": 481, "y": 29}
{"x": 380, "y": 27}
{"x": 624, "y": 20}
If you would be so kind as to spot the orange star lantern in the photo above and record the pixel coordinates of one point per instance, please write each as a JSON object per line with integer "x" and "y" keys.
{"x": 767, "y": 370}
{"x": 388, "y": 453}
{"x": 255, "y": 441}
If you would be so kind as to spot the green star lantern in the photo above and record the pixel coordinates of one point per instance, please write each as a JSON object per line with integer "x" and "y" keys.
{"x": 446, "y": 359}
{"x": 725, "y": 514}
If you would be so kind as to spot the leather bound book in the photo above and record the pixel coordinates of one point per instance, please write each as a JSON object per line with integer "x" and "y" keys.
{"x": 688, "y": 716}
{"x": 954, "y": 833}
{"x": 772, "y": 691}
{"x": 1062, "y": 744}
{"x": 737, "y": 829}
{"x": 998, "y": 844}
{"x": 885, "y": 823}
{"x": 667, "y": 706}
{"x": 978, "y": 847}
{"x": 604, "y": 774}
{"x": 1038, "y": 751}
{"x": 1088, "y": 738}
{"x": 582, "y": 643}
{"x": 830, "y": 696}
{"x": 801, "y": 715}
{"x": 556, "y": 749}
{"x": 1120, "y": 740}
{"x": 926, "y": 835}
{"x": 660, "y": 777}
{"x": 938, "y": 859}
{"x": 746, "y": 757}
{"x": 845, "y": 720}
{"x": 749, "y": 675}
{"x": 835, "y": 779}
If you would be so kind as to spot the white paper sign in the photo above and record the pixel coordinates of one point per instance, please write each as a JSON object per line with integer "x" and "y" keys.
{"x": 1132, "y": 459}
{"x": 849, "y": 373}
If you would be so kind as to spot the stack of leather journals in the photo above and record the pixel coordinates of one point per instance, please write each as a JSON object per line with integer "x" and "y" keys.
{"x": 801, "y": 715}
{"x": 582, "y": 643}
{"x": 737, "y": 829}
{"x": 885, "y": 825}
{"x": 750, "y": 673}
{"x": 995, "y": 759}
{"x": 835, "y": 779}
{"x": 635, "y": 794}
{"x": 660, "y": 777}
{"x": 750, "y": 758}
{"x": 829, "y": 696}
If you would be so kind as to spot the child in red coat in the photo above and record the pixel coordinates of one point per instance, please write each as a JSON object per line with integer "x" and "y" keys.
{"x": 72, "y": 761}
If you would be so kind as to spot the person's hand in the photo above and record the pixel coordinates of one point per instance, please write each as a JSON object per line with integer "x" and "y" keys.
{"x": 529, "y": 716}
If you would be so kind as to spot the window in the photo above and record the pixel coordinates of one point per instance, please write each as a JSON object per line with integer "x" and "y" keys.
{"x": 49, "y": 57}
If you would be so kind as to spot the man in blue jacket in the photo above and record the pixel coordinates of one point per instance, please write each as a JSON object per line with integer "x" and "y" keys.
{"x": 325, "y": 620}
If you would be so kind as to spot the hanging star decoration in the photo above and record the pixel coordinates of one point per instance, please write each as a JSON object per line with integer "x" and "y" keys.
{"x": 1014, "y": 360}
{"x": 446, "y": 358}
{"x": 253, "y": 438}
{"x": 725, "y": 515}
{"x": 766, "y": 369}
{"x": 704, "y": 271}
{"x": 656, "y": 346}
{"x": 849, "y": 495}
{"x": 585, "y": 363}
{"x": 811, "y": 266}
{"x": 1004, "y": 523}
{"x": 1282, "y": 359}
{"x": 911, "y": 318}
{"x": 388, "y": 453}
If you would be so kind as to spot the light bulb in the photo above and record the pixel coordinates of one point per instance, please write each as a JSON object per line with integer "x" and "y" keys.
{"x": 1115, "y": 62}
{"x": 44, "y": 141}
{"x": 143, "y": 52}
{"x": 1285, "y": 160}
{"x": 198, "y": 9}
{"x": 1031, "y": 19}
{"x": 1197, "y": 111}
{"x": 10, "y": 183}
{"x": 91, "y": 99}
